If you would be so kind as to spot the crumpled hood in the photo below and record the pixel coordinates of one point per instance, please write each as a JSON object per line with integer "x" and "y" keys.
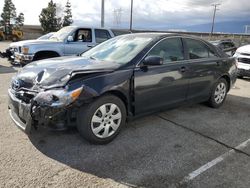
{"x": 54, "y": 71}
{"x": 244, "y": 49}
{"x": 32, "y": 42}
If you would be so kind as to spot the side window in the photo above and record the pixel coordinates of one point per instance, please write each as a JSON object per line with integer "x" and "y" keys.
{"x": 83, "y": 35}
{"x": 101, "y": 35}
{"x": 212, "y": 53}
{"x": 169, "y": 49}
{"x": 197, "y": 49}
{"x": 228, "y": 45}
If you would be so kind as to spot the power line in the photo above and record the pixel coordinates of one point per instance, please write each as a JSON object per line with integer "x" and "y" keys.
{"x": 117, "y": 16}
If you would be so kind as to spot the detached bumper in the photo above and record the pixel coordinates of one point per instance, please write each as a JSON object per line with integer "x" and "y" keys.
{"x": 20, "y": 113}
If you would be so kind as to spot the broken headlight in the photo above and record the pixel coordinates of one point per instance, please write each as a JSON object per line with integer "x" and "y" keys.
{"x": 57, "y": 97}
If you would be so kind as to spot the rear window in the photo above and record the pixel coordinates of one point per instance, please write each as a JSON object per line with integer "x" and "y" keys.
{"x": 101, "y": 35}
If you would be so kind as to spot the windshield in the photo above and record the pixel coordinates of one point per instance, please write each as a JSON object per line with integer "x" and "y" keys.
{"x": 62, "y": 33}
{"x": 46, "y": 36}
{"x": 120, "y": 49}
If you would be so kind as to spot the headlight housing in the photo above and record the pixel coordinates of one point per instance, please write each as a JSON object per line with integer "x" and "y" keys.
{"x": 57, "y": 97}
{"x": 25, "y": 50}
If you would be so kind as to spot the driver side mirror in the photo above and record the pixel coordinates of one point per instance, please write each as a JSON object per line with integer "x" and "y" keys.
{"x": 153, "y": 61}
{"x": 70, "y": 39}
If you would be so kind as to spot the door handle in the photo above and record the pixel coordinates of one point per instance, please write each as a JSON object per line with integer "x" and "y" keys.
{"x": 183, "y": 69}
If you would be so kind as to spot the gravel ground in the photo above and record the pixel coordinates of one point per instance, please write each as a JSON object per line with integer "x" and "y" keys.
{"x": 154, "y": 151}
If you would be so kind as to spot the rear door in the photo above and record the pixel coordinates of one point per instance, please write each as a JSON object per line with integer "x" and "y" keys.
{"x": 164, "y": 85}
{"x": 82, "y": 41}
{"x": 101, "y": 35}
{"x": 204, "y": 68}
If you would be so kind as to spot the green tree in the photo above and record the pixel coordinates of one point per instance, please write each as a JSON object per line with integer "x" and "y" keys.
{"x": 19, "y": 20}
{"x": 8, "y": 15}
{"x": 67, "y": 19}
{"x": 48, "y": 18}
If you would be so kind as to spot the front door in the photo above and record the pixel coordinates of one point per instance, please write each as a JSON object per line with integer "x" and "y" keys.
{"x": 162, "y": 85}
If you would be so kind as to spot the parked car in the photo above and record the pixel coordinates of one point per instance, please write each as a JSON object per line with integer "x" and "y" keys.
{"x": 242, "y": 56}
{"x": 9, "y": 52}
{"x": 124, "y": 77}
{"x": 67, "y": 41}
{"x": 46, "y": 36}
{"x": 225, "y": 45}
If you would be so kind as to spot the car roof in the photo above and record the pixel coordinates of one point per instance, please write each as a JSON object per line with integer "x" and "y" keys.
{"x": 162, "y": 35}
{"x": 87, "y": 27}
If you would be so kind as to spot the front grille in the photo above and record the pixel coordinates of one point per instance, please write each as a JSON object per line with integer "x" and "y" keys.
{"x": 244, "y": 60}
{"x": 25, "y": 97}
{"x": 246, "y": 54}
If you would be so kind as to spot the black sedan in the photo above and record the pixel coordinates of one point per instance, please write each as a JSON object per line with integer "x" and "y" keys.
{"x": 119, "y": 79}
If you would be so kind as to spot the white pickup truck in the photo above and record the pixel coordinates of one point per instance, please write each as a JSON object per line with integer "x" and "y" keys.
{"x": 67, "y": 41}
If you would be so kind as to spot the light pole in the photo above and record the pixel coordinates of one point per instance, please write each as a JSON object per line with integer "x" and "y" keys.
{"x": 131, "y": 15}
{"x": 215, "y": 9}
{"x": 102, "y": 14}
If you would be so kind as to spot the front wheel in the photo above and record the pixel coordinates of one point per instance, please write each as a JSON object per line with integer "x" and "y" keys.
{"x": 218, "y": 94}
{"x": 101, "y": 121}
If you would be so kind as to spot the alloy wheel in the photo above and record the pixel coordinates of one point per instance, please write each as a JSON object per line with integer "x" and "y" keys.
{"x": 106, "y": 120}
{"x": 220, "y": 92}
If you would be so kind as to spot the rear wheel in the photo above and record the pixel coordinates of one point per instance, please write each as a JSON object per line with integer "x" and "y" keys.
{"x": 218, "y": 94}
{"x": 101, "y": 121}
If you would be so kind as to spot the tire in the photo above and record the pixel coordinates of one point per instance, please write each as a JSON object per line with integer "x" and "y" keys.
{"x": 96, "y": 116}
{"x": 218, "y": 94}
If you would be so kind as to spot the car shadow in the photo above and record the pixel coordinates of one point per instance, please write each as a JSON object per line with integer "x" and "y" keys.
{"x": 246, "y": 79}
{"x": 123, "y": 159}
{"x": 7, "y": 69}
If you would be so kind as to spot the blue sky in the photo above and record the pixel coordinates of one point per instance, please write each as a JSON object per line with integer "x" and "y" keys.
{"x": 147, "y": 13}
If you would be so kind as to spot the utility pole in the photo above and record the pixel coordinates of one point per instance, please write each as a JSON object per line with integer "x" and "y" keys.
{"x": 215, "y": 5}
{"x": 102, "y": 14}
{"x": 131, "y": 16}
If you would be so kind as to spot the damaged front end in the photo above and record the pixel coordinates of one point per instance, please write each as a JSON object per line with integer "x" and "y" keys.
{"x": 50, "y": 92}
{"x": 52, "y": 107}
